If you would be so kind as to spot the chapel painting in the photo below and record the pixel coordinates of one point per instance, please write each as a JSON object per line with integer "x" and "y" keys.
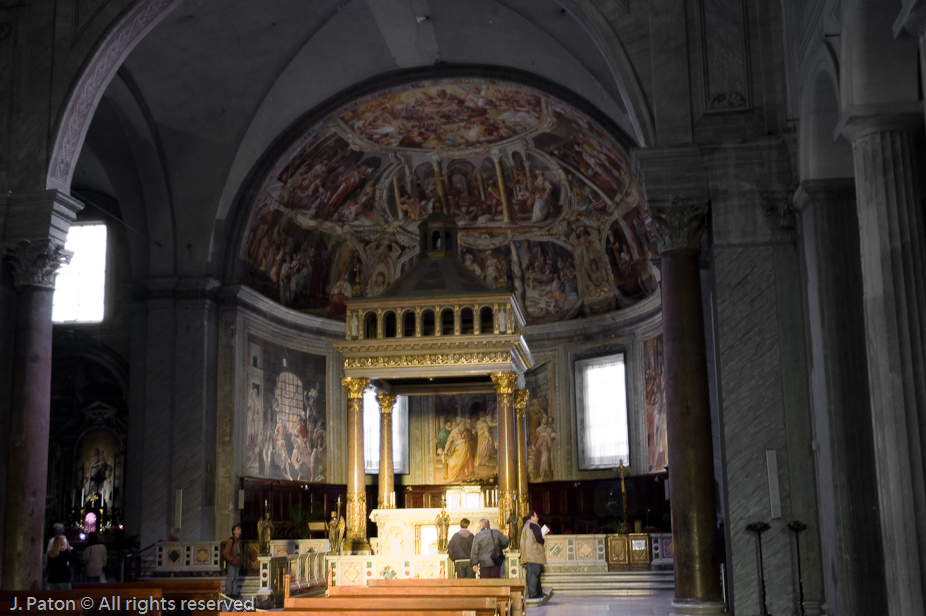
{"x": 466, "y": 438}
{"x": 286, "y": 430}
{"x": 542, "y": 437}
{"x": 548, "y": 203}
{"x": 657, "y": 446}
{"x": 99, "y": 473}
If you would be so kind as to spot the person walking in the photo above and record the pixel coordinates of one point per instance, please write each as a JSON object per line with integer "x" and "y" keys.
{"x": 459, "y": 550}
{"x": 231, "y": 552}
{"x": 94, "y": 559}
{"x": 487, "y": 542}
{"x": 533, "y": 554}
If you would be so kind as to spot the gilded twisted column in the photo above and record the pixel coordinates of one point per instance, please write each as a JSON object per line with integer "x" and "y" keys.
{"x": 521, "y": 398}
{"x": 505, "y": 384}
{"x": 386, "y": 476}
{"x": 677, "y": 227}
{"x": 356, "y": 535}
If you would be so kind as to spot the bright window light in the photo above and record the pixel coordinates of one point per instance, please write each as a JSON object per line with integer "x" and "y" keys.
{"x": 80, "y": 284}
{"x": 601, "y": 392}
{"x": 371, "y": 422}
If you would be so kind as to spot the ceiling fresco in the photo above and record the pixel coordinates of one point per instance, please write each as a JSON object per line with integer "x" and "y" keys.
{"x": 548, "y": 203}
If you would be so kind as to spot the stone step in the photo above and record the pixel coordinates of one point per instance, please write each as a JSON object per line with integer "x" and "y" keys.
{"x": 608, "y": 582}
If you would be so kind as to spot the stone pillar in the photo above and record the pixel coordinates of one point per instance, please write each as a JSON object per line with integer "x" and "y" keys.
{"x": 356, "y": 536}
{"x": 677, "y": 227}
{"x": 893, "y": 263}
{"x": 851, "y": 566}
{"x": 386, "y": 477}
{"x": 36, "y": 224}
{"x": 505, "y": 384}
{"x": 521, "y": 398}
{"x": 34, "y": 267}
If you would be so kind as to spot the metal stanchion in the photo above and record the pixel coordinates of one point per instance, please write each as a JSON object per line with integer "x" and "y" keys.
{"x": 758, "y": 528}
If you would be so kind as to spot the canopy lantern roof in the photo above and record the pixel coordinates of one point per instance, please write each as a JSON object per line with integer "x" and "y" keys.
{"x": 439, "y": 325}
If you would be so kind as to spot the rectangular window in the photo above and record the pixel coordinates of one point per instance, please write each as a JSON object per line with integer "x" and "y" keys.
{"x": 80, "y": 285}
{"x": 371, "y": 423}
{"x": 601, "y": 402}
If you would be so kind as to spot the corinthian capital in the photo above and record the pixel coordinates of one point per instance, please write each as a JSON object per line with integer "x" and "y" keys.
{"x": 37, "y": 263}
{"x": 386, "y": 401}
{"x": 504, "y": 382}
{"x": 677, "y": 224}
{"x": 355, "y": 386}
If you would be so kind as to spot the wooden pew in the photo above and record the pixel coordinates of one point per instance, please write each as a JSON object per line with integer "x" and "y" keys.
{"x": 172, "y": 589}
{"x": 500, "y": 594}
{"x": 474, "y": 606}
{"x": 516, "y": 587}
{"x": 128, "y": 597}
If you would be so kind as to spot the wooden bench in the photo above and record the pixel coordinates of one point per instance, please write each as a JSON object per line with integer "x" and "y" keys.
{"x": 500, "y": 594}
{"x": 174, "y": 590}
{"x": 70, "y": 601}
{"x": 515, "y": 587}
{"x": 474, "y": 606}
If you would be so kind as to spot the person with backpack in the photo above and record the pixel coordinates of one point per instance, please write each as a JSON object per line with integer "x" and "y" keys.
{"x": 487, "y": 556}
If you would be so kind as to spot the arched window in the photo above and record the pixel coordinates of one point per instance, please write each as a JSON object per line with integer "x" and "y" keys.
{"x": 389, "y": 325}
{"x": 427, "y": 323}
{"x": 486, "y": 321}
{"x": 467, "y": 322}
{"x": 408, "y": 323}
{"x": 369, "y": 325}
{"x": 446, "y": 322}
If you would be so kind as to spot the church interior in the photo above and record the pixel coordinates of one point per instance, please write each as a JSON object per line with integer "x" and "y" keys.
{"x": 651, "y": 268}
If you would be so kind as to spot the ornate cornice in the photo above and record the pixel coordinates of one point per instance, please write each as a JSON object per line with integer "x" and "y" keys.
{"x": 676, "y": 225}
{"x": 430, "y": 359}
{"x": 504, "y": 382}
{"x": 37, "y": 263}
{"x": 355, "y": 386}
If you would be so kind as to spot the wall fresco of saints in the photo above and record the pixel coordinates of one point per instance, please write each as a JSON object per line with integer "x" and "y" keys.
{"x": 466, "y": 441}
{"x": 285, "y": 413}
{"x": 548, "y": 204}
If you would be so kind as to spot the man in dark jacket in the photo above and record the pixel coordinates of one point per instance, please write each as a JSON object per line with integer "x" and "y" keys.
{"x": 459, "y": 550}
{"x": 487, "y": 540}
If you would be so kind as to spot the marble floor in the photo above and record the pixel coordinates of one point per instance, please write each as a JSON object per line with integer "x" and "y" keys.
{"x": 655, "y": 604}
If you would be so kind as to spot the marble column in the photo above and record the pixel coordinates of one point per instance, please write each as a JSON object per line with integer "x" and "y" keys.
{"x": 677, "y": 227}
{"x": 893, "y": 263}
{"x": 849, "y": 573}
{"x": 505, "y": 385}
{"x": 356, "y": 536}
{"x": 34, "y": 265}
{"x": 521, "y": 398}
{"x": 386, "y": 476}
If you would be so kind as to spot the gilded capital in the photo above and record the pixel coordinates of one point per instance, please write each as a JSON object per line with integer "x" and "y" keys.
{"x": 504, "y": 382}
{"x": 37, "y": 263}
{"x": 521, "y": 398}
{"x": 385, "y": 403}
{"x": 677, "y": 224}
{"x": 355, "y": 386}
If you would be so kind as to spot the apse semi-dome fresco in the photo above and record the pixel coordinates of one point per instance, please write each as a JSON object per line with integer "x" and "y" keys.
{"x": 548, "y": 203}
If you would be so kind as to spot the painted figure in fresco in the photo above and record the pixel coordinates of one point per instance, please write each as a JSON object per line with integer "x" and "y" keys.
{"x": 485, "y": 447}
{"x": 458, "y": 456}
{"x": 339, "y": 295}
{"x": 542, "y": 192}
{"x": 442, "y": 436}
{"x": 543, "y": 449}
